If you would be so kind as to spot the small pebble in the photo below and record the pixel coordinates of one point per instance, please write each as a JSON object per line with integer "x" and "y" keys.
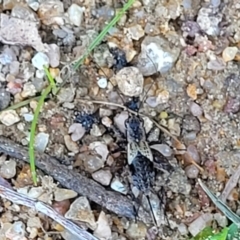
{"x": 229, "y": 53}
{"x": 232, "y": 105}
{"x": 156, "y": 55}
{"x": 9, "y": 117}
{"x": 54, "y": 55}
{"x": 28, "y": 117}
{"x": 196, "y": 110}
{"x": 193, "y": 152}
{"x": 192, "y": 171}
{"x": 14, "y": 68}
{"x": 93, "y": 163}
{"x": 103, "y": 177}
{"x": 75, "y": 14}
{"x": 200, "y": 223}
{"x": 66, "y": 94}
{"x": 97, "y": 130}
{"x": 7, "y": 56}
{"x": 61, "y": 194}
{"x": 102, "y": 82}
{"x": 8, "y": 169}
{"x": 119, "y": 121}
{"x": 5, "y": 99}
{"x": 41, "y": 141}
{"x": 77, "y": 131}
{"x": 80, "y": 210}
{"x": 40, "y": 60}
{"x": 103, "y": 230}
{"x": 116, "y": 185}
{"x": 51, "y": 12}
{"x": 70, "y": 144}
{"x": 34, "y": 222}
{"x": 137, "y": 230}
{"x": 29, "y": 90}
{"x": 135, "y": 32}
{"x": 100, "y": 148}
{"x": 33, "y": 4}
{"x": 106, "y": 121}
{"x": 164, "y": 149}
{"x": 192, "y": 91}
{"x": 17, "y": 231}
{"x": 130, "y": 81}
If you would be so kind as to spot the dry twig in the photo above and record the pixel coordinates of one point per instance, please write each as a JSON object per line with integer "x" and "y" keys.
{"x": 18, "y": 198}
{"x": 113, "y": 201}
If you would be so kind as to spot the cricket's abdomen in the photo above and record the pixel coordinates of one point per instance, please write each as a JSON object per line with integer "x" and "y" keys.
{"x": 143, "y": 173}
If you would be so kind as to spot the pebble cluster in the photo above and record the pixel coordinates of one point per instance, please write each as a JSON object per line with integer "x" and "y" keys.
{"x": 180, "y": 57}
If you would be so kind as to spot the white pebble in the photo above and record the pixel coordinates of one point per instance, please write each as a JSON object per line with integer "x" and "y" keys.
{"x": 54, "y": 55}
{"x": 41, "y": 141}
{"x": 118, "y": 186}
{"x": 164, "y": 149}
{"x": 9, "y": 117}
{"x": 102, "y": 176}
{"x": 192, "y": 171}
{"x": 75, "y": 14}
{"x": 8, "y": 169}
{"x": 102, "y": 82}
{"x": 196, "y": 110}
{"x": 40, "y": 60}
{"x": 28, "y": 117}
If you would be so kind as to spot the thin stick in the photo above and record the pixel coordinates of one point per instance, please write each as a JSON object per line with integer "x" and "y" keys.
{"x": 70, "y": 179}
{"x": 39, "y": 206}
{"x": 142, "y": 115}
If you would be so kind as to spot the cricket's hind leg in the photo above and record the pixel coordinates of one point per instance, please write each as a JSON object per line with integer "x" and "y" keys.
{"x": 163, "y": 203}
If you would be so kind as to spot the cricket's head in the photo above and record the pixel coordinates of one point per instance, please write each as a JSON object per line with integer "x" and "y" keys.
{"x": 135, "y": 129}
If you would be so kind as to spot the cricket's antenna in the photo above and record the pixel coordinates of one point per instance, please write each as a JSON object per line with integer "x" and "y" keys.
{"x": 145, "y": 95}
{"x": 151, "y": 209}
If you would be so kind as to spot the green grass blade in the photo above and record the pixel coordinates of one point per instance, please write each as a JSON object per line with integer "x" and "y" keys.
{"x": 100, "y": 37}
{"x": 34, "y": 124}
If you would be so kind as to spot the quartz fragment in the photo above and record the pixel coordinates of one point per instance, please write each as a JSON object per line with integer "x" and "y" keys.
{"x": 118, "y": 186}
{"x": 100, "y": 148}
{"x": 135, "y": 32}
{"x": 103, "y": 230}
{"x": 229, "y": 53}
{"x": 195, "y": 109}
{"x": 137, "y": 230}
{"x": 156, "y": 56}
{"x": 7, "y": 56}
{"x": 130, "y": 81}
{"x": 40, "y": 60}
{"x": 93, "y": 163}
{"x": 64, "y": 194}
{"x": 102, "y": 176}
{"x": 77, "y": 131}
{"x": 53, "y": 55}
{"x": 41, "y": 141}
{"x": 5, "y": 98}
{"x": 75, "y": 14}
{"x": 192, "y": 171}
{"x": 8, "y": 169}
{"x": 51, "y": 12}
{"x": 209, "y": 20}
{"x": 9, "y": 117}
{"x": 80, "y": 210}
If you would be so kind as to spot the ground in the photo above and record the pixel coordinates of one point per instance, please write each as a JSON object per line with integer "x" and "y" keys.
{"x": 181, "y": 58}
